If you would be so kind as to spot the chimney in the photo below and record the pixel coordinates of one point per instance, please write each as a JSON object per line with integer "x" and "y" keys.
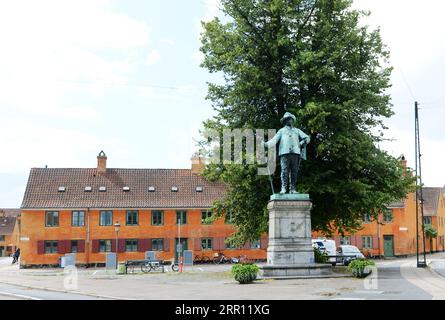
{"x": 198, "y": 164}
{"x": 102, "y": 162}
{"x": 403, "y": 162}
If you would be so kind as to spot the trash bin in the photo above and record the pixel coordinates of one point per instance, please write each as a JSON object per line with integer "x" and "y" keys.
{"x": 120, "y": 268}
{"x": 62, "y": 262}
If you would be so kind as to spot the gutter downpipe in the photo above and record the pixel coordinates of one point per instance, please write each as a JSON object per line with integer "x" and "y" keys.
{"x": 378, "y": 234}
{"x": 88, "y": 239}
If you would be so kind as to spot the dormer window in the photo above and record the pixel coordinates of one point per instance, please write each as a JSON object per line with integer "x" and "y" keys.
{"x": 88, "y": 189}
{"x": 103, "y": 189}
{"x": 151, "y": 189}
{"x": 199, "y": 189}
{"x": 174, "y": 189}
{"x": 126, "y": 188}
{"x": 62, "y": 189}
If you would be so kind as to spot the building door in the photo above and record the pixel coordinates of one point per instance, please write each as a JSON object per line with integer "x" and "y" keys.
{"x": 184, "y": 246}
{"x": 2, "y": 253}
{"x": 388, "y": 246}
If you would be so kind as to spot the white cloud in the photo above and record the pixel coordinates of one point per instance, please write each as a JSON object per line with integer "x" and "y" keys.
{"x": 211, "y": 9}
{"x": 57, "y": 60}
{"x": 198, "y": 57}
{"x": 32, "y": 144}
{"x": 169, "y": 41}
{"x": 153, "y": 57}
{"x": 432, "y": 150}
{"x": 53, "y": 48}
{"x": 413, "y": 32}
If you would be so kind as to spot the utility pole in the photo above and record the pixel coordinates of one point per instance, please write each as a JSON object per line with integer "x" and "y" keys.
{"x": 420, "y": 264}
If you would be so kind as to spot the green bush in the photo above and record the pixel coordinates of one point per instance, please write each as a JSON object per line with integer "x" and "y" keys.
{"x": 358, "y": 267}
{"x": 245, "y": 272}
{"x": 320, "y": 257}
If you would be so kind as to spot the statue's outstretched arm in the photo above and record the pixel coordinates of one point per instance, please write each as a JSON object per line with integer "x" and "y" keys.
{"x": 274, "y": 140}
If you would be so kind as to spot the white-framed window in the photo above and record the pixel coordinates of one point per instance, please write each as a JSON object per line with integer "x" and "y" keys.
{"x": 346, "y": 240}
{"x": 206, "y": 243}
{"x": 367, "y": 242}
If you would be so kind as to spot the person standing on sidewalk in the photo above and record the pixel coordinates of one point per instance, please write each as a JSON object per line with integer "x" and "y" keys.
{"x": 16, "y": 256}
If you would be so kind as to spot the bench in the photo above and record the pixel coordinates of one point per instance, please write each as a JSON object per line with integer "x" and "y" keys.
{"x": 154, "y": 264}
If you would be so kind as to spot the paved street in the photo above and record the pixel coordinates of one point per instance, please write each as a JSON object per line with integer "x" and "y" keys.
{"x": 394, "y": 279}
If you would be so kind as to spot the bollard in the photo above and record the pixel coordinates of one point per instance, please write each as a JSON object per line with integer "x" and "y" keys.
{"x": 180, "y": 264}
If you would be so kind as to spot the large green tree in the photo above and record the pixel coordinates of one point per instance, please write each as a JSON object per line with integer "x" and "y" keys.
{"x": 314, "y": 59}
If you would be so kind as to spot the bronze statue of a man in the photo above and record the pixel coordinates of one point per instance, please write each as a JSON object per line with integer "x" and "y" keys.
{"x": 291, "y": 150}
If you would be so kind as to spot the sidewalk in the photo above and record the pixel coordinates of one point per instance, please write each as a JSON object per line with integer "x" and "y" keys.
{"x": 209, "y": 282}
{"x": 203, "y": 282}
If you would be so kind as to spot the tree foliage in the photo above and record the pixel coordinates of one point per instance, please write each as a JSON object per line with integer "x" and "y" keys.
{"x": 314, "y": 59}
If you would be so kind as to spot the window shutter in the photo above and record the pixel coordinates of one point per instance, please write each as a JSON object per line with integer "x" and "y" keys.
{"x": 197, "y": 242}
{"x": 40, "y": 247}
{"x": 121, "y": 245}
{"x": 218, "y": 244}
{"x": 142, "y": 245}
{"x": 375, "y": 242}
{"x": 337, "y": 241}
{"x": 264, "y": 241}
{"x": 95, "y": 246}
{"x": 80, "y": 246}
{"x": 215, "y": 244}
{"x": 353, "y": 240}
{"x": 359, "y": 242}
{"x": 148, "y": 245}
{"x": 113, "y": 245}
{"x": 68, "y": 245}
{"x": 166, "y": 244}
{"x": 61, "y": 246}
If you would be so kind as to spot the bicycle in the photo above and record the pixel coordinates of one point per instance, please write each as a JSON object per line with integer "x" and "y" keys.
{"x": 201, "y": 259}
{"x": 175, "y": 267}
{"x": 221, "y": 258}
{"x": 152, "y": 265}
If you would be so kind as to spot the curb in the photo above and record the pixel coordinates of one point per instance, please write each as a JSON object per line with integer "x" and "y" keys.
{"x": 65, "y": 291}
{"x": 435, "y": 272}
{"x": 306, "y": 277}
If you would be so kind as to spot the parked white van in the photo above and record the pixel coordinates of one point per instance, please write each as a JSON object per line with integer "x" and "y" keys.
{"x": 328, "y": 246}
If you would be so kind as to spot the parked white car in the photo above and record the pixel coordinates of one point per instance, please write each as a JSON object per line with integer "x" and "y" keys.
{"x": 351, "y": 253}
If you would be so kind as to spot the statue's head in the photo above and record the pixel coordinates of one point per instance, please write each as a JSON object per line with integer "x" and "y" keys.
{"x": 288, "y": 119}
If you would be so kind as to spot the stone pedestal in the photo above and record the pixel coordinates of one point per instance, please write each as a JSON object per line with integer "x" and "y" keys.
{"x": 290, "y": 251}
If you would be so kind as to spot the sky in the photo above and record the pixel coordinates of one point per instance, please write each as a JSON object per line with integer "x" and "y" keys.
{"x": 78, "y": 77}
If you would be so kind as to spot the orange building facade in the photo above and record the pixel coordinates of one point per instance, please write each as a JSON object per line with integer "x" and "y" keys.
{"x": 75, "y": 210}
{"x": 9, "y": 234}
{"x": 394, "y": 233}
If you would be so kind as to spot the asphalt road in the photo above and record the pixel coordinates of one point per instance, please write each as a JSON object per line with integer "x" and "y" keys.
{"x": 11, "y": 292}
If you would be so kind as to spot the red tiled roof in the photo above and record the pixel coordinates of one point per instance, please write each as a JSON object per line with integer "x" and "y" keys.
{"x": 7, "y": 225}
{"x": 431, "y": 200}
{"x": 43, "y": 185}
{"x": 9, "y": 212}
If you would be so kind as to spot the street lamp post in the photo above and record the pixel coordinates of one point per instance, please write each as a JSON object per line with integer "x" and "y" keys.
{"x": 179, "y": 246}
{"x": 117, "y": 227}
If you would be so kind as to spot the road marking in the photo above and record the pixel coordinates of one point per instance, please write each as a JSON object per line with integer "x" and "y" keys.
{"x": 368, "y": 292}
{"x": 348, "y": 299}
{"x": 18, "y": 295}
